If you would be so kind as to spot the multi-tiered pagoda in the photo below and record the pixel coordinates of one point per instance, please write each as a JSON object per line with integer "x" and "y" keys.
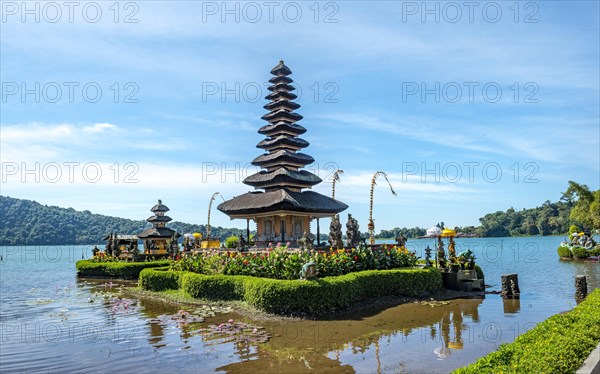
{"x": 156, "y": 238}
{"x": 283, "y": 211}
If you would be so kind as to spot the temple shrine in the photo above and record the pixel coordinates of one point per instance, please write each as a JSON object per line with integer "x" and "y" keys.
{"x": 284, "y": 209}
{"x": 156, "y": 238}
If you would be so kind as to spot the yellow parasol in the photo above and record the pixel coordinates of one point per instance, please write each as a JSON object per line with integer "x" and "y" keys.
{"x": 447, "y": 233}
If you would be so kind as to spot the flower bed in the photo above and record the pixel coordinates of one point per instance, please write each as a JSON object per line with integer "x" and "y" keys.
{"x": 115, "y": 269}
{"x": 278, "y": 263}
{"x": 317, "y": 297}
{"x": 558, "y": 345}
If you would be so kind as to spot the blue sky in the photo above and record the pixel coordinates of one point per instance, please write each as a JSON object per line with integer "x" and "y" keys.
{"x": 479, "y": 110}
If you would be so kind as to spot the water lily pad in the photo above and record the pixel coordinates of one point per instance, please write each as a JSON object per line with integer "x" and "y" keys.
{"x": 236, "y": 332}
{"x": 40, "y": 302}
{"x": 434, "y": 303}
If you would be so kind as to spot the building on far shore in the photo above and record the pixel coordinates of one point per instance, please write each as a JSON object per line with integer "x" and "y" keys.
{"x": 156, "y": 237}
{"x": 283, "y": 211}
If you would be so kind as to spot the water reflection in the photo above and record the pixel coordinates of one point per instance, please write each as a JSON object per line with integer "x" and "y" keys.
{"x": 327, "y": 345}
{"x": 511, "y": 305}
{"x": 105, "y": 328}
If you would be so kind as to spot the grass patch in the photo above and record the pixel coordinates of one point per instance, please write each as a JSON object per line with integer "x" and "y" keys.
{"x": 295, "y": 297}
{"x": 120, "y": 270}
{"x": 560, "y": 344}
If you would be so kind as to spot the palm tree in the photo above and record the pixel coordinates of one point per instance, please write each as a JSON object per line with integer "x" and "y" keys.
{"x": 336, "y": 178}
{"x": 214, "y": 196}
{"x": 371, "y": 225}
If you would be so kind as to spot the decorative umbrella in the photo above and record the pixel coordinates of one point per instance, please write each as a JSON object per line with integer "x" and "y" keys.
{"x": 434, "y": 232}
{"x": 447, "y": 233}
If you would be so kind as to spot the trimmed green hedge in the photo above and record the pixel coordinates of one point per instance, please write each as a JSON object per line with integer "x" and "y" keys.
{"x": 316, "y": 297}
{"x": 123, "y": 270}
{"x": 479, "y": 272}
{"x": 160, "y": 279}
{"x": 581, "y": 253}
{"x": 558, "y": 345}
{"x": 565, "y": 252}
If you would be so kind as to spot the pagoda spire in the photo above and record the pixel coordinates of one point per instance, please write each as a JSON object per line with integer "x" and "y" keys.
{"x": 282, "y": 142}
{"x": 282, "y": 177}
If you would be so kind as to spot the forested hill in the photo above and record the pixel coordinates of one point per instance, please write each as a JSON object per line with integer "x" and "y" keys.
{"x": 29, "y": 222}
{"x": 548, "y": 219}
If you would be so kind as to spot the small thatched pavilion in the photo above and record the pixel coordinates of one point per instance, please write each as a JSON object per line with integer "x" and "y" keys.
{"x": 156, "y": 237}
{"x": 283, "y": 211}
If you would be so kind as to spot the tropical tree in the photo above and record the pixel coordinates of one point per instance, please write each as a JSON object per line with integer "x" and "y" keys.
{"x": 586, "y": 210}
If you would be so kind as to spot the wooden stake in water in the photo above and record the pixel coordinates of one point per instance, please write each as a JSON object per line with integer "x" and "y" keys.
{"x": 580, "y": 286}
{"x": 510, "y": 286}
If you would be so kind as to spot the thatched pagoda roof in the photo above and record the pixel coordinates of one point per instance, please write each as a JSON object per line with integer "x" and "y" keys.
{"x": 281, "y": 69}
{"x": 281, "y": 200}
{"x": 282, "y": 157}
{"x": 281, "y": 104}
{"x": 282, "y": 142}
{"x": 282, "y": 177}
{"x": 281, "y": 128}
{"x": 281, "y": 95}
{"x": 281, "y": 86}
{"x": 158, "y": 233}
{"x": 282, "y": 115}
{"x": 123, "y": 237}
{"x": 159, "y": 219}
{"x": 280, "y": 79}
{"x": 159, "y": 207}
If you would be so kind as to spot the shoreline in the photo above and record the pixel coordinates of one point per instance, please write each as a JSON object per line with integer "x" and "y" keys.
{"x": 364, "y": 308}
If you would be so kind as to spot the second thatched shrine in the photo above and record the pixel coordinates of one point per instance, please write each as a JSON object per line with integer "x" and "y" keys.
{"x": 284, "y": 209}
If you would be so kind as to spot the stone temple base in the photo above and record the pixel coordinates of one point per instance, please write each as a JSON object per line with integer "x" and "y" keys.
{"x": 463, "y": 280}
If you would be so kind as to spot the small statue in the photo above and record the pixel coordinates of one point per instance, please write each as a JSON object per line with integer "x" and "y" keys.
{"x": 108, "y": 249}
{"x": 135, "y": 252}
{"x": 241, "y": 244}
{"x": 116, "y": 248}
{"x": 352, "y": 232}
{"x": 309, "y": 271}
{"x": 401, "y": 240}
{"x": 335, "y": 233}
{"x": 427, "y": 256}
{"x": 451, "y": 250}
{"x": 306, "y": 241}
{"x": 441, "y": 253}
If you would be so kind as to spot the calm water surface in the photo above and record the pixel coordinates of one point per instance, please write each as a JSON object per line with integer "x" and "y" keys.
{"x": 52, "y": 322}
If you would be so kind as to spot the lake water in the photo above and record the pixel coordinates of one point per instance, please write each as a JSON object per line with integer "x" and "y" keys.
{"x": 52, "y": 322}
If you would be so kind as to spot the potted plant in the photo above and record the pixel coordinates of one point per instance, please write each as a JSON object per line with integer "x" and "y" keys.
{"x": 455, "y": 265}
{"x": 467, "y": 258}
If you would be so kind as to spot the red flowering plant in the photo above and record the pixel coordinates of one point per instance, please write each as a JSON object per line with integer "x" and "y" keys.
{"x": 280, "y": 263}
